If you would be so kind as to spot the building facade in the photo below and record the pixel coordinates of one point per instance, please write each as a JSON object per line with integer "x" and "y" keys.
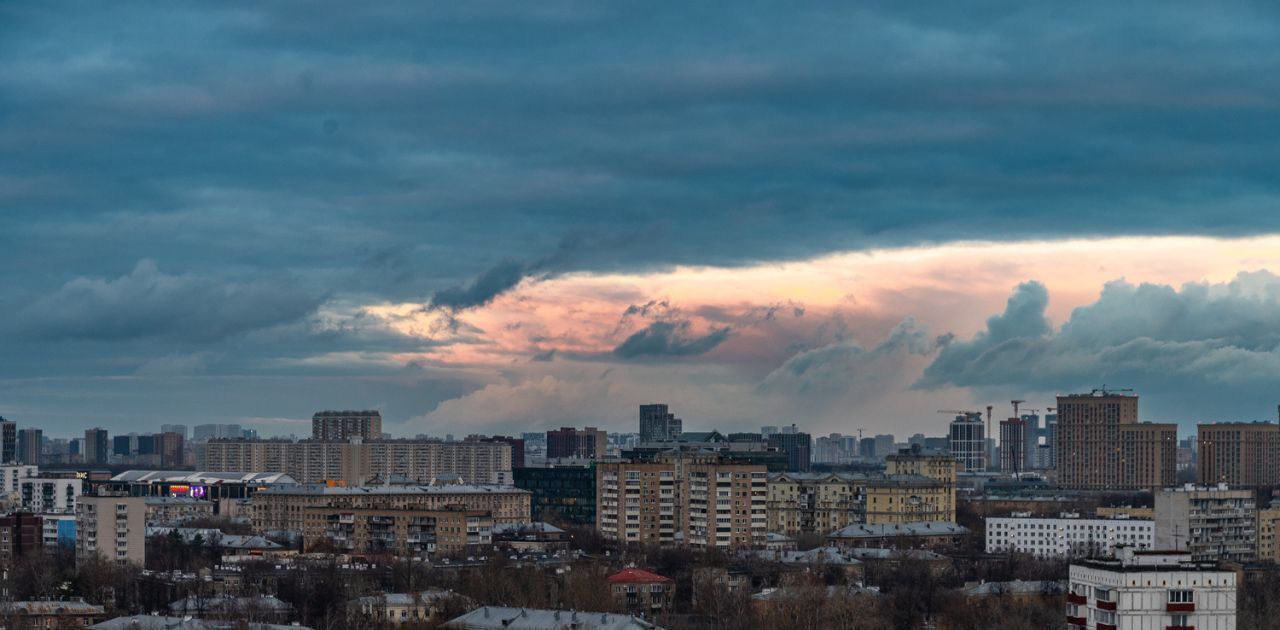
{"x": 725, "y": 505}
{"x": 340, "y": 426}
{"x": 96, "y": 446}
{"x": 814, "y": 503}
{"x": 284, "y": 508}
{"x": 637, "y": 502}
{"x": 658, "y": 424}
{"x": 967, "y": 441}
{"x": 1100, "y": 445}
{"x": 400, "y": 530}
{"x": 1211, "y": 524}
{"x": 560, "y": 492}
{"x": 1239, "y": 454}
{"x": 1067, "y": 536}
{"x": 30, "y": 445}
{"x": 588, "y": 443}
{"x": 798, "y": 447}
{"x": 1149, "y": 590}
{"x": 49, "y": 496}
{"x": 112, "y": 528}
{"x": 356, "y": 463}
{"x": 1013, "y": 445}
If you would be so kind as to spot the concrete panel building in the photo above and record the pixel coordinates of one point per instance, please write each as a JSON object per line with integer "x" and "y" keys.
{"x": 1212, "y": 524}
{"x": 340, "y": 426}
{"x": 1067, "y": 535}
{"x": 111, "y": 527}
{"x": 1239, "y": 454}
{"x": 1100, "y": 445}
{"x": 1152, "y": 589}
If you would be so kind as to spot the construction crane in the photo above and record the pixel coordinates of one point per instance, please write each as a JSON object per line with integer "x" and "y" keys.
{"x": 1015, "y": 407}
{"x": 959, "y": 412}
{"x": 1107, "y": 392}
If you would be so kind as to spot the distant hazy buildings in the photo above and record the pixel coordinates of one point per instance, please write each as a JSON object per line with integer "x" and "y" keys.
{"x": 30, "y": 445}
{"x": 1239, "y": 454}
{"x": 1102, "y": 446}
{"x": 344, "y": 425}
{"x": 96, "y": 448}
{"x": 658, "y": 424}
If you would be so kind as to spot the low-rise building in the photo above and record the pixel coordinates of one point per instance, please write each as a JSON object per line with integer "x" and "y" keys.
{"x": 506, "y": 618}
{"x": 53, "y": 613}
{"x": 641, "y": 592}
{"x": 404, "y": 530}
{"x": 399, "y": 608}
{"x": 176, "y": 509}
{"x": 900, "y": 536}
{"x": 1150, "y": 589}
{"x": 536, "y": 537}
{"x": 1068, "y": 535}
{"x": 286, "y": 508}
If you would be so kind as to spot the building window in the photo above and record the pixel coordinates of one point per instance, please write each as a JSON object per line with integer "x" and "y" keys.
{"x": 1181, "y": 597}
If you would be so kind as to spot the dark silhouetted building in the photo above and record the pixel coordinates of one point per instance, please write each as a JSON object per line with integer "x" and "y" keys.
{"x": 339, "y": 426}
{"x": 171, "y": 448}
{"x": 565, "y": 491}
{"x": 30, "y": 443}
{"x": 589, "y": 443}
{"x": 8, "y": 441}
{"x": 95, "y": 446}
{"x": 797, "y": 445}
{"x": 657, "y": 424}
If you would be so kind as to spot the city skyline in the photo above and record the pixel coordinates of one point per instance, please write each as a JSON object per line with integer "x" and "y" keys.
{"x": 495, "y": 219}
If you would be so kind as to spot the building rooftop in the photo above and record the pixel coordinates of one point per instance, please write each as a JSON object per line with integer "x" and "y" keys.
{"x": 202, "y": 478}
{"x": 52, "y": 607}
{"x": 636, "y": 576}
{"x": 156, "y": 622}
{"x": 324, "y": 490}
{"x": 820, "y": 555}
{"x": 536, "y": 527}
{"x": 423, "y": 598}
{"x": 504, "y": 618}
{"x": 899, "y": 529}
{"x": 1016, "y": 587}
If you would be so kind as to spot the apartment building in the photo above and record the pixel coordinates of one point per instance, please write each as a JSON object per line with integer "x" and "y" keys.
{"x": 111, "y": 527}
{"x": 588, "y": 443}
{"x": 340, "y": 426}
{"x": 638, "y": 502}
{"x": 176, "y": 509}
{"x": 1101, "y": 445}
{"x": 49, "y": 496}
{"x": 1268, "y": 519}
{"x": 725, "y": 505}
{"x": 11, "y": 476}
{"x": 908, "y": 499}
{"x": 357, "y": 462}
{"x": 814, "y": 503}
{"x": 21, "y": 534}
{"x": 1067, "y": 535}
{"x": 1141, "y": 590}
{"x": 400, "y": 530}
{"x": 1239, "y": 454}
{"x": 1214, "y": 523}
{"x": 285, "y": 508}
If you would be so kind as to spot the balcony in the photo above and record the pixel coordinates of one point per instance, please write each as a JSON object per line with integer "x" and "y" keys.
{"x": 1106, "y": 605}
{"x": 1179, "y": 628}
{"x": 1188, "y": 607}
{"x": 1077, "y": 599}
{"x": 1075, "y": 621}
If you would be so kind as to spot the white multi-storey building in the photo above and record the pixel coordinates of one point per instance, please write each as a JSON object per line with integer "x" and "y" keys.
{"x": 13, "y": 474}
{"x": 1144, "y": 590}
{"x": 1213, "y": 523}
{"x": 112, "y": 528}
{"x": 1067, "y": 535}
{"x": 49, "y": 496}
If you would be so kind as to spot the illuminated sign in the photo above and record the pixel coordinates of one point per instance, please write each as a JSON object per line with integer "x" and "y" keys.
{"x": 195, "y": 492}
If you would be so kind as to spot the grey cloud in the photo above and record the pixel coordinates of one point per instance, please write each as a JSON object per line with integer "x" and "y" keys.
{"x": 836, "y": 369}
{"x": 1186, "y": 347}
{"x": 483, "y": 289}
{"x": 147, "y": 302}
{"x": 544, "y": 356}
{"x": 669, "y": 339}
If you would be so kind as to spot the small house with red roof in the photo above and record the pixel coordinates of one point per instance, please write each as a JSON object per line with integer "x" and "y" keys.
{"x": 641, "y": 592}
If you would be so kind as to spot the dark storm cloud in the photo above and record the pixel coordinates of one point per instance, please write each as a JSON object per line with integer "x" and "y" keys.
{"x": 1193, "y": 348}
{"x": 669, "y": 339}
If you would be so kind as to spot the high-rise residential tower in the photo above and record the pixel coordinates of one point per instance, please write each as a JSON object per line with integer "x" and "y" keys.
{"x": 967, "y": 441}
{"x": 96, "y": 449}
{"x": 1100, "y": 445}
{"x": 30, "y": 442}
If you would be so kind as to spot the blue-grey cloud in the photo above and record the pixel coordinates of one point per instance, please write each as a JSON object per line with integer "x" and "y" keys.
{"x": 669, "y": 339}
{"x": 147, "y": 302}
{"x": 1206, "y": 348}
{"x": 836, "y": 369}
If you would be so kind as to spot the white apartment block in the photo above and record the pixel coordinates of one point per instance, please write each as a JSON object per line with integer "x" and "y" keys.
{"x": 1067, "y": 535}
{"x": 49, "y": 496}
{"x": 112, "y": 528}
{"x": 13, "y": 474}
{"x": 1150, "y": 590}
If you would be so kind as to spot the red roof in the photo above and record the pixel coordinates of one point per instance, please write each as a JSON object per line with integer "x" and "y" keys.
{"x": 636, "y": 576}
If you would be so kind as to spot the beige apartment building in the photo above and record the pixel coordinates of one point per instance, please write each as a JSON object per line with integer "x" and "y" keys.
{"x": 1268, "y": 518}
{"x": 1212, "y": 523}
{"x": 638, "y": 502}
{"x": 285, "y": 508}
{"x": 357, "y": 462}
{"x": 403, "y": 531}
{"x": 726, "y": 505}
{"x": 111, "y": 527}
{"x": 1102, "y": 446}
{"x": 820, "y": 503}
{"x": 1239, "y": 454}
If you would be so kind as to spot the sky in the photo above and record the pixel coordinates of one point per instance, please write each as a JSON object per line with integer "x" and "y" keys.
{"x": 502, "y": 217}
